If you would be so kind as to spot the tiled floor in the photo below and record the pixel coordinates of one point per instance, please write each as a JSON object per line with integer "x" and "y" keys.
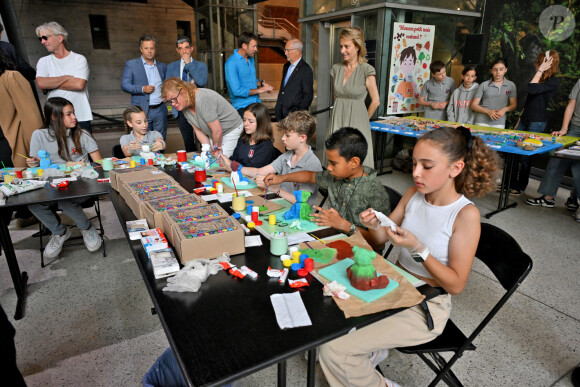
{"x": 88, "y": 319}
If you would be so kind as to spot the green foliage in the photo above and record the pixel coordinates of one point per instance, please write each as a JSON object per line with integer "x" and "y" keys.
{"x": 514, "y": 24}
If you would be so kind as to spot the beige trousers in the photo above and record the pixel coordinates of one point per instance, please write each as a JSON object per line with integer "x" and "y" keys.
{"x": 345, "y": 361}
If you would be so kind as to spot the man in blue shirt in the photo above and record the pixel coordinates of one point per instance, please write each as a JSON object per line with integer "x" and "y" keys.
{"x": 142, "y": 78}
{"x": 241, "y": 74}
{"x": 189, "y": 70}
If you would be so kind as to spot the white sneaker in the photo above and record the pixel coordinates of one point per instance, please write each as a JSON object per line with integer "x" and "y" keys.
{"x": 378, "y": 356}
{"x": 576, "y": 215}
{"x": 92, "y": 239}
{"x": 54, "y": 246}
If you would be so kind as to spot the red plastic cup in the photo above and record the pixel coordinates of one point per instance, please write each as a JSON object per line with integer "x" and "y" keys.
{"x": 254, "y": 216}
{"x": 200, "y": 176}
{"x": 182, "y": 156}
{"x": 19, "y": 174}
{"x": 150, "y": 161}
{"x": 309, "y": 264}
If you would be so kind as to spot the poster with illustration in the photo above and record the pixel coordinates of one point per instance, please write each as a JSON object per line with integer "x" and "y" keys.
{"x": 412, "y": 48}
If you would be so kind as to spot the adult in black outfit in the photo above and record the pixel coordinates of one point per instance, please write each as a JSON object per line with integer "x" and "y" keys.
{"x": 297, "y": 86}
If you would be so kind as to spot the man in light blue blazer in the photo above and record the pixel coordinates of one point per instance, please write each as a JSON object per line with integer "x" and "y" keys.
{"x": 192, "y": 71}
{"x": 142, "y": 78}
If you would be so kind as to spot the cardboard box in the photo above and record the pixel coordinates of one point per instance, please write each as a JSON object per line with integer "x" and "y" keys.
{"x": 154, "y": 209}
{"x": 149, "y": 181}
{"x": 154, "y": 241}
{"x": 211, "y": 238}
{"x": 189, "y": 214}
{"x": 116, "y": 175}
{"x": 135, "y": 199}
{"x": 164, "y": 263}
{"x": 134, "y": 228}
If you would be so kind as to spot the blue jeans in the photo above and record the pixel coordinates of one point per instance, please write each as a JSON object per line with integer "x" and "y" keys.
{"x": 556, "y": 169}
{"x": 71, "y": 207}
{"x": 158, "y": 120}
{"x": 523, "y": 164}
{"x": 165, "y": 372}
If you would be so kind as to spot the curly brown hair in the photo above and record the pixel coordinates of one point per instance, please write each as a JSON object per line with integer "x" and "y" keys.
{"x": 300, "y": 122}
{"x": 481, "y": 163}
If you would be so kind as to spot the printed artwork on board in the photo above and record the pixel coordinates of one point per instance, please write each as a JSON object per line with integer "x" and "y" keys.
{"x": 412, "y": 48}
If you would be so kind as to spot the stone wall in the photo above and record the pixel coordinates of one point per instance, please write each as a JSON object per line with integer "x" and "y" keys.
{"x": 126, "y": 22}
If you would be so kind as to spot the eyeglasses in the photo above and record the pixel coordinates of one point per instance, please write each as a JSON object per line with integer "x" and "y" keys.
{"x": 43, "y": 37}
{"x": 173, "y": 100}
{"x": 289, "y": 49}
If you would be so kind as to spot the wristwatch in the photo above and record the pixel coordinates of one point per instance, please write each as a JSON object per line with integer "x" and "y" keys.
{"x": 351, "y": 230}
{"x": 262, "y": 82}
{"x": 422, "y": 256}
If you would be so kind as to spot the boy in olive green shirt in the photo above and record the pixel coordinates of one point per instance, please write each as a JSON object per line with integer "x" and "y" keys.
{"x": 352, "y": 187}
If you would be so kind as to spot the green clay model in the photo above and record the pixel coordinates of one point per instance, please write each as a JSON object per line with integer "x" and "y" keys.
{"x": 301, "y": 209}
{"x": 323, "y": 255}
{"x": 362, "y": 273}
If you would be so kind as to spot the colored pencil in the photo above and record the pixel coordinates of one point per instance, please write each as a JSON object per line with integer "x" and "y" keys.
{"x": 26, "y": 157}
{"x": 312, "y": 235}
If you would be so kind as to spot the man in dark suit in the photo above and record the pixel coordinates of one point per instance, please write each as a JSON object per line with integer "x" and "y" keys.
{"x": 296, "y": 89}
{"x": 142, "y": 78}
{"x": 192, "y": 71}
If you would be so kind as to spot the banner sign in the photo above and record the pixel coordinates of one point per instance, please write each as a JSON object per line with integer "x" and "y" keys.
{"x": 411, "y": 51}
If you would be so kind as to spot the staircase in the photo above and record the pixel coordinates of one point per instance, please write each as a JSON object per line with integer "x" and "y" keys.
{"x": 274, "y": 32}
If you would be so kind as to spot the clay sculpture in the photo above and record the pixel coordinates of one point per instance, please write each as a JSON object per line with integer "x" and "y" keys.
{"x": 362, "y": 273}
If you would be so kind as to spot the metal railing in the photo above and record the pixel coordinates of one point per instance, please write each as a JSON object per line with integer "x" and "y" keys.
{"x": 278, "y": 24}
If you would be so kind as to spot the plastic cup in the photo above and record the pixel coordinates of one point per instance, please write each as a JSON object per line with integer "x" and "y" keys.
{"x": 278, "y": 243}
{"x": 200, "y": 175}
{"x": 238, "y": 203}
{"x": 107, "y": 164}
{"x": 181, "y": 156}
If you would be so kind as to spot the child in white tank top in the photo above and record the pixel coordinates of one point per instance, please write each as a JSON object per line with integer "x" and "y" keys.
{"x": 438, "y": 229}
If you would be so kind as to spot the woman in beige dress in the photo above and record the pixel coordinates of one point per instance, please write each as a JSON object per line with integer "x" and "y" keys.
{"x": 354, "y": 78}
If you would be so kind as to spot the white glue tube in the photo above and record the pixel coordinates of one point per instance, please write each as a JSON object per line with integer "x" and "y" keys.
{"x": 283, "y": 277}
{"x": 249, "y": 272}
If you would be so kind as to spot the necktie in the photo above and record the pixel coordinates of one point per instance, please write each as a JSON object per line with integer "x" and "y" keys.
{"x": 184, "y": 75}
{"x": 288, "y": 73}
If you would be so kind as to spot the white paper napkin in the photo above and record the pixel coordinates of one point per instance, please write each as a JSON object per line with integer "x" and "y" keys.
{"x": 290, "y": 310}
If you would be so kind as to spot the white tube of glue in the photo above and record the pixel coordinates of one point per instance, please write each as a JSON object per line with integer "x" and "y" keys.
{"x": 249, "y": 272}
{"x": 283, "y": 277}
